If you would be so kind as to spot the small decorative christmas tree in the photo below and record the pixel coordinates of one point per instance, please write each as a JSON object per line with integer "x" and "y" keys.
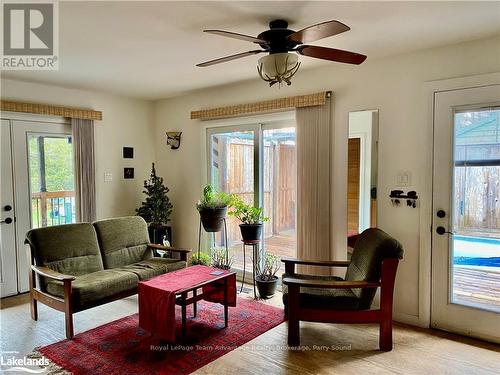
{"x": 156, "y": 209}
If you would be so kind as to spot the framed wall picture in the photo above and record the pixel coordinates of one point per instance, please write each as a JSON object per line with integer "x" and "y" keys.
{"x": 128, "y": 173}
{"x": 128, "y": 152}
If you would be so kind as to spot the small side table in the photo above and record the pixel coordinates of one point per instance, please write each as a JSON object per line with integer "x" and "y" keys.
{"x": 255, "y": 260}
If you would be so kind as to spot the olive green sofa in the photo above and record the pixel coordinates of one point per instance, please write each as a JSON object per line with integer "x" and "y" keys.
{"x": 78, "y": 266}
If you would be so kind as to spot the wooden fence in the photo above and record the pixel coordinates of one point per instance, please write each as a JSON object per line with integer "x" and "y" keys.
{"x": 477, "y": 200}
{"x": 235, "y": 170}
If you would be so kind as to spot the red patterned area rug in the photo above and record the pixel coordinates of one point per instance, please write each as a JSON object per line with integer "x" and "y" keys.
{"x": 121, "y": 347}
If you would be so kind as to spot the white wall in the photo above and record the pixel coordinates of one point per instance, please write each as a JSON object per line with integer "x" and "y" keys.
{"x": 126, "y": 122}
{"x": 393, "y": 85}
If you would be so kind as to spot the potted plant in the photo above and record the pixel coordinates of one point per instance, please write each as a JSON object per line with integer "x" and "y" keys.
{"x": 251, "y": 219}
{"x": 213, "y": 208}
{"x": 156, "y": 209}
{"x": 220, "y": 258}
{"x": 266, "y": 278}
{"x": 199, "y": 258}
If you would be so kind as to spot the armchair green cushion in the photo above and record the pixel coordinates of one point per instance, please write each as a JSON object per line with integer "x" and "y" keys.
{"x": 372, "y": 247}
{"x": 93, "y": 287}
{"x": 71, "y": 249}
{"x": 123, "y": 241}
{"x": 342, "y": 299}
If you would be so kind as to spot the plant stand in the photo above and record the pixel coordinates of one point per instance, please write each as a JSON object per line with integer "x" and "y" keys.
{"x": 255, "y": 260}
{"x": 225, "y": 239}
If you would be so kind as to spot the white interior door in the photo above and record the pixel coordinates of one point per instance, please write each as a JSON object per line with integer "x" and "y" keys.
{"x": 8, "y": 263}
{"x": 466, "y": 212}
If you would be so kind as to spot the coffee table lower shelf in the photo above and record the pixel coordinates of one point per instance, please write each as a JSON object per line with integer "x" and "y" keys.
{"x": 184, "y": 300}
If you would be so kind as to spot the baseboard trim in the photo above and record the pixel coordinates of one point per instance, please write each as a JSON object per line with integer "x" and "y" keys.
{"x": 413, "y": 320}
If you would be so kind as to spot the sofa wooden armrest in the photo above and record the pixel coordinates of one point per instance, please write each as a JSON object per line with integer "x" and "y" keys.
{"x": 183, "y": 252}
{"x": 51, "y": 274}
{"x": 291, "y": 262}
{"x": 329, "y": 284}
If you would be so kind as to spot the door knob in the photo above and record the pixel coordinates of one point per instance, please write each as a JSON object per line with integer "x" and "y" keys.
{"x": 6, "y": 221}
{"x": 7, "y": 207}
{"x": 441, "y": 213}
{"x": 442, "y": 230}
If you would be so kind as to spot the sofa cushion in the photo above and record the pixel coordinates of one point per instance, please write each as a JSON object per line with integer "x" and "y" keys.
{"x": 93, "y": 287}
{"x": 71, "y": 249}
{"x": 323, "y": 298}
{"x": 168, "y": 264}
{"x": 153, "y": 267}
{"x": 123, "y": 241}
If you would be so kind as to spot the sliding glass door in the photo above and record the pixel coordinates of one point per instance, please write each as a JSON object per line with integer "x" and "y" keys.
{"x": 232, "y": 169}
{"x": 280, "y": 190}
{"x": 258, "y": 163}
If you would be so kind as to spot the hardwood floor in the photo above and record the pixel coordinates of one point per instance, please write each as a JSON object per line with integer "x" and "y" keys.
{"x": 328, "y": 348}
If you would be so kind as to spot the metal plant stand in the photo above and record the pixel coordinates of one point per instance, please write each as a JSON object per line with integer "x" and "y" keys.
{"x": 255, "y": 260}
{"x": 225, "y": 239}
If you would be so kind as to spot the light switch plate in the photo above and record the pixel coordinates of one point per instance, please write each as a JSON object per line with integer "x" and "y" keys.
{"x": 403, "y": 178}
{"x": 108, "y": 177}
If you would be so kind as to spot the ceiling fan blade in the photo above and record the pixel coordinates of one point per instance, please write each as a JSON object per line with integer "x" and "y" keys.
{"x": 331, "y": 54}
{"x": 319, "y": 31}
{"x": 229, "y": 58}
{"x": 230, "y": 34}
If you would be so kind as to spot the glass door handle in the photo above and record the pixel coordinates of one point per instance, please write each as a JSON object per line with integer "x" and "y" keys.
{"x": 442, "y": 230}
{"x": 6, "y": 221}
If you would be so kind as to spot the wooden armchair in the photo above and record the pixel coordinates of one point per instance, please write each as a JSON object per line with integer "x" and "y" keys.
{"x": 331, "y": 299}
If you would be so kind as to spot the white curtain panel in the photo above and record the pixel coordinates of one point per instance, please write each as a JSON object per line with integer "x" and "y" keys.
{"x": 313, "y": 185}
{"x": 84, "y": 161}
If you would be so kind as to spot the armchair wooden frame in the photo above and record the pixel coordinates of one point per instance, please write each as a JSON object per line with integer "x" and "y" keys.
{"x": 382, "y": 316}
{"x": 65, "y": 304}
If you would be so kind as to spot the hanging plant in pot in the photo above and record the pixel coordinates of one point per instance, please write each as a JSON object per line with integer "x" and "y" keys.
{"x": 213, "y": 208}
{"x": 266, "y": 275}
{"x": 252, "y": 219}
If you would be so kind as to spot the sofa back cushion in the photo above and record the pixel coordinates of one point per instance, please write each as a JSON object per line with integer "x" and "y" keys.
{"x": 372, "y": 247}
{"x": 71, "y": 249}
{"x": 123, "y": 240}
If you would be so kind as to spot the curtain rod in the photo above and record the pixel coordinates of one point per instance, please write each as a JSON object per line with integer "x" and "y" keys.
{"x": 273, "y": 105}
{"x": 51, "y": 110}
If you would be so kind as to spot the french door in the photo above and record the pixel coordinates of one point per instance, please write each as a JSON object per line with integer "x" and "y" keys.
{"x": 36, "y": 190}
{"x": 466, "y": 212}
{"x": 258, "y": 163}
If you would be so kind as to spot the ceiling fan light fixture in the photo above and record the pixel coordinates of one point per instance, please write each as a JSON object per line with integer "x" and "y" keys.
{"x": 278, "y": 68}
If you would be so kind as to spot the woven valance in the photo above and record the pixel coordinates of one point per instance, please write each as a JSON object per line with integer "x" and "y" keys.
{"x": 274, "y": 105}
{"x": 51, "y": 110}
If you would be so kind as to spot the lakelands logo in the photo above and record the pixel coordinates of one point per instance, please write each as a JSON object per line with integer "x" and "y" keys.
{"x": 30, "y": 36}
{"x": 25, "y": 365}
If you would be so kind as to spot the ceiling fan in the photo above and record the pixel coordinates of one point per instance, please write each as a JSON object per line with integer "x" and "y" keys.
{"x": 279, "y": 65}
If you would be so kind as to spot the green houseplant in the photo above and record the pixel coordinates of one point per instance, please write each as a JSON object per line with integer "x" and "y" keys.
{"x": 266, "y": 275}
{"x": 251, "y": 219}
{"x": 220, "y": 258}
{"x": 157, "y": 208}
{"x": 199, "y": 258}
{"x": 213, "y": 208}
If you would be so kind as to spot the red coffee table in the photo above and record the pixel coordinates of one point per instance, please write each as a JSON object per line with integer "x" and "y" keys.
{"x": 159, "y": 295}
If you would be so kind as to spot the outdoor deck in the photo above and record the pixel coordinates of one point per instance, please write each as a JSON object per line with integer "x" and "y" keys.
{"x": 282, "y": 245}
{"x": 477, "y": 286}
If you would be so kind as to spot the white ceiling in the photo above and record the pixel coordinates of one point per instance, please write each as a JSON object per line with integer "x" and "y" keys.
{"x": 149, "y": 49}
